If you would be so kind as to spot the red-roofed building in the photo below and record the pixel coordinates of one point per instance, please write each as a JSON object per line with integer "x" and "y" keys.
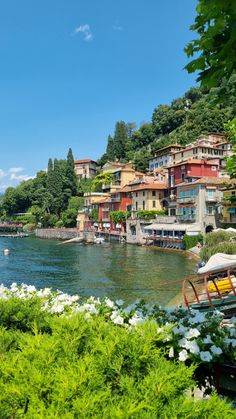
{"x": 85, "y": 168}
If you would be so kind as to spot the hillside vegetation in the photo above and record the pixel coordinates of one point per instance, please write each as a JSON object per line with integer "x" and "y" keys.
{"x": 197, "y": 112}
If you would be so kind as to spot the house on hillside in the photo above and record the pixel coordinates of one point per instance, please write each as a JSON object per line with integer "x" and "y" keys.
{"x": 85, "y": 168}
{"x": 229, "y": 203}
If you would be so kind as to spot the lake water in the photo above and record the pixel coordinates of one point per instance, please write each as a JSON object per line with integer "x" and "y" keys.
{"x": 114, "y": 270}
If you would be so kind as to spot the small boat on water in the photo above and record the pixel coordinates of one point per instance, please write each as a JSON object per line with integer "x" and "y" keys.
{"x": 14, "y": 235}
{"x": 99, "y": 240}
{"x": 214, "y": 287}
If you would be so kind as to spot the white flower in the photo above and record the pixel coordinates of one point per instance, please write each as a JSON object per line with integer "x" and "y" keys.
{"x": 198, "y": 318}
{"x": 216, "y": 350}
{"x": 109, "y": 303}
{"x": 207, "y": 339}
{"x": 117, "y": 319}
{"x": 183, "y": 342}
{"x": 179, "y": 330}
{"x": 160, "y": 329}
{"x": 135, "y": 320}
{"x": 183, "y": 355}
{"x": 171, "y": 352}
{"x": 119, "y": 302}
{"x": 192, "y": 333}
{"x": 205, "y": 356}
{"x": 192, "y": 346}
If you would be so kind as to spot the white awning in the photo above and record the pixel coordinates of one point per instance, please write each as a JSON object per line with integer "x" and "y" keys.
{"x": 106, "y": 224}
{"x": 174, "y": 227}
{"x": 217, "y": 262}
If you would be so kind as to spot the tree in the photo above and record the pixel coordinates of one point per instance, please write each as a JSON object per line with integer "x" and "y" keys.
{"x": 100, "y": 179}
{"x": 231, "y": 162}
{"x": 216, "y": 45}
{"x": 110, "y": 148}
{"x": 71, "y": 178}
{"x": 120, "y": 140}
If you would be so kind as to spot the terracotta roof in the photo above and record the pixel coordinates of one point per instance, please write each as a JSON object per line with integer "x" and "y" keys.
{"x": 115, "y": 163}
{"x": 210, "y": 162}
{"x": 84, "y": 161}
{"x": 148, "y": 186}
{"x": 205, "y": 180}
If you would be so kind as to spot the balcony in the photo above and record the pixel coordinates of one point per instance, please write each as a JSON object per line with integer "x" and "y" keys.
{"x": 186, "y": 218}
{"x": 186, "y": 200}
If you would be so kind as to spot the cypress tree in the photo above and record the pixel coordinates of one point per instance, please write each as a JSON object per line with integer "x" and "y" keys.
{"x": 110, "y": 148}
{"x": 71, "y": 178}
{"x": 120, "y": 140}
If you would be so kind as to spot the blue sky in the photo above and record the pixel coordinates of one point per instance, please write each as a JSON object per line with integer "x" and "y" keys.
{"x": 71, "y": 68}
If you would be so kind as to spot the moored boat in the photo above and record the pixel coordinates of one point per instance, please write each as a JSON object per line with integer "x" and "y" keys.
{"x": 214, "y": 287}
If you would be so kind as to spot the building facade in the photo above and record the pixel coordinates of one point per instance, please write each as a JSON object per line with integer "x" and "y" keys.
{"x": 85, "y": 169}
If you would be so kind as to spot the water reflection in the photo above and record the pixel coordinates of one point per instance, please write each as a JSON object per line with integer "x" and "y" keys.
{"x": 114, "y": 270}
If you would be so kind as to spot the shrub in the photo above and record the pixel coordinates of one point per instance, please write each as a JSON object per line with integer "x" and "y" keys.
{"x": 191, "y": 241}
{"x": 224, "y": 247}
{"x": 92, "y": 369}
{"x": 149, "y": 215}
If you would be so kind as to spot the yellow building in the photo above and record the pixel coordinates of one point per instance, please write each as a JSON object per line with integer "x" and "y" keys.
{"x": 93, "y": 197}
{"x": 121, "y": 177}
{"x": 146, "y": 196}
{"x": 229, "y": 205}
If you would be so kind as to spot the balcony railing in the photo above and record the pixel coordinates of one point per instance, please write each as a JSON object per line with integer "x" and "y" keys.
{"x": 186, "y": 218}
{"x": 186, "y": 200}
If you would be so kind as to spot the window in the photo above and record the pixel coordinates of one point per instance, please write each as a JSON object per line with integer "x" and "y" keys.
{"x": 153, "y": 193}
{"x": 172, "y": 181}
{"x": 136, "y": 206}
{"x": 211, "y": 210}
{"x": 210, "y": 193}
{"x": 182, "y": 177}
{"x": 153, "y": 204}
{"x": 143, "y": 193}
{"x": 143, "y": 205}
{"x": 136, "y": 194}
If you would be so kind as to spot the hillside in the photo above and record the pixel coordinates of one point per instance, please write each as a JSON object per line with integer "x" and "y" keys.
{"x": 197, "y": 112}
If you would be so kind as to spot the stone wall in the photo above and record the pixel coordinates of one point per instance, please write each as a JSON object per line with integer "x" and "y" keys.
{"x": 63, "y": 234}
{"x": 57, "y": 233}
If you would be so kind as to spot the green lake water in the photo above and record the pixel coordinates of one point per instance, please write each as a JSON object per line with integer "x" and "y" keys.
{"x": 111, "y": 269}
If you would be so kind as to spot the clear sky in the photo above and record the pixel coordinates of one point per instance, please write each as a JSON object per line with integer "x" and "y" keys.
{"x": 69, "y": 69}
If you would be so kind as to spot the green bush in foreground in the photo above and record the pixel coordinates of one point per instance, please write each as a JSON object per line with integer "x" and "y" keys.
{"x": 191, "y": 241}
{"x": 73, "y": 367}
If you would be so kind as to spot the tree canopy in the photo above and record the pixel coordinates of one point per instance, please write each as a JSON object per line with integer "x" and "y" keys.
{"x": 215, "y": 45}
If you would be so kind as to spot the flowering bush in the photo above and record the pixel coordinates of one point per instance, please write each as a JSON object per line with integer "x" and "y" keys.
{"x": 66, "y": 357}
{"x": 184, "y": 334}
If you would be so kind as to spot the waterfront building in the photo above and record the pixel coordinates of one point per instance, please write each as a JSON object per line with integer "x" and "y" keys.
{"x": 199, "y": 202}
{"x": 229, "y": 203}
{"x": 85, "y": 168}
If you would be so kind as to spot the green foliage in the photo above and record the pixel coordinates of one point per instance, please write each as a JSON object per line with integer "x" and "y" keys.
{"x": 68, "y": 217}
{"x": 215, "y": 45}
{"x": 218, "y": 242}
{"x": 71, "y": 177}
{"x": 45, "y": 197}
{"x": 191, "y": 241}
{"x": 231, "y": 162}
{"x": 119, "y": 216}
{"x": 72, "y": 368}
{"x": 94, "y": 214}
{"x": 198, "y": 111}
{"x": 150, "y": 214}
{"x": 84, "y": 186}
{"x": 120, "y": 140}
{"x": 100, "y": 179}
